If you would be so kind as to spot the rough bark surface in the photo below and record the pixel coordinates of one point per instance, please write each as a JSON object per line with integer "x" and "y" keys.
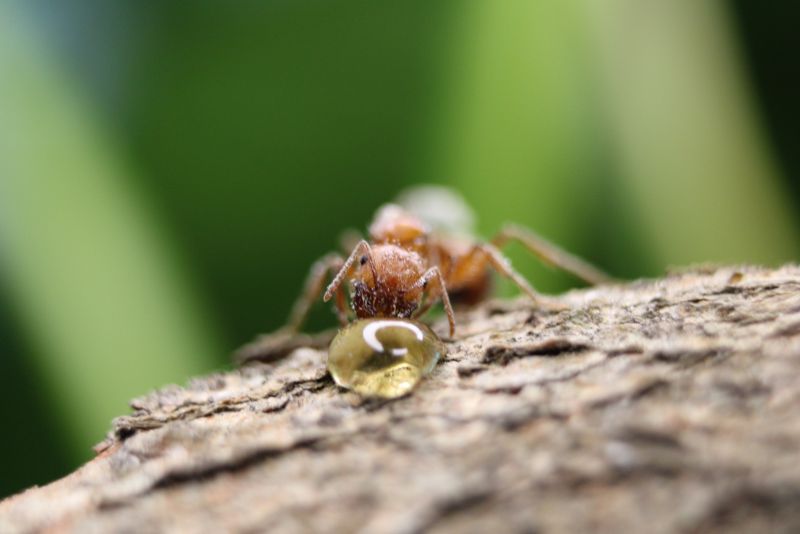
{"x": 657, "y": 406}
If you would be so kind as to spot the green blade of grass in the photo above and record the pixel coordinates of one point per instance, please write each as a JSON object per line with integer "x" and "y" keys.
{"x": 106, "y": 308}
{"x": 514, "y": 134}
{"x": 690, "y": 148}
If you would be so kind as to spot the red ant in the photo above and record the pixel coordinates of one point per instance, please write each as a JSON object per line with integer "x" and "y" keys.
{"x": 406, "y": 261}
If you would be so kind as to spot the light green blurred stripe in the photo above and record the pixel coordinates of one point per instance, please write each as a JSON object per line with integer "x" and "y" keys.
{"x": 514, "y": 132}
{"x": 92, "y": 274}
{"x": 691, "y": 148}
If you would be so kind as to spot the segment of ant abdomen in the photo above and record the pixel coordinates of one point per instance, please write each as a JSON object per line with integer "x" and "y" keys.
{"x": 476, "y": 291}
{"x": 551, "y": 254}
{"x": 441, "y": 209}
{"x": 468, "y": 281}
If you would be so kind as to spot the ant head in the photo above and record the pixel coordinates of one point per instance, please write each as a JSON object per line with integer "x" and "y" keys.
{"x": 393, "y": 224}
{"x": 387, "y": 285}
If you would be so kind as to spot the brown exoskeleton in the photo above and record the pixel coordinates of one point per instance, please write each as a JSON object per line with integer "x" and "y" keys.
{"x": 406, "y": 266}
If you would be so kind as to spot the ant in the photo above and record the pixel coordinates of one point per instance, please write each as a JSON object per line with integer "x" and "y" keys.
{"x": 407, "y": 266}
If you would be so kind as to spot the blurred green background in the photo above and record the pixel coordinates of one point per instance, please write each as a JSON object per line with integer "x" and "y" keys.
{"x": 169, "y": 170}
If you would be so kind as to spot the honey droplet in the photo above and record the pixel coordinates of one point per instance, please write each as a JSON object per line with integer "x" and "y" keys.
{"x": 383, "y": 357}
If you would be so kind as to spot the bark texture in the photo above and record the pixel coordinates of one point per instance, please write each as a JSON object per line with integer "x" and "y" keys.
{"x": 658, "y": 406}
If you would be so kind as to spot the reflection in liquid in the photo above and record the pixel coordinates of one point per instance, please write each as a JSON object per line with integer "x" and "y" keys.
{"x": 383, "y": 357}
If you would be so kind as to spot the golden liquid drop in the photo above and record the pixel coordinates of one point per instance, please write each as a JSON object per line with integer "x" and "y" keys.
{"x": 383, "y": 357}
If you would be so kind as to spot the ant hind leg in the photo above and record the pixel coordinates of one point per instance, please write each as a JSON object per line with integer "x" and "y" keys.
{"x": 503, "y": 266}
{"x": 551, "y": 254}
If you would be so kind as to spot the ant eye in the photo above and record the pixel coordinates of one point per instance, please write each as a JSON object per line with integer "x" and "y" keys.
{"x": 363, "y": 260}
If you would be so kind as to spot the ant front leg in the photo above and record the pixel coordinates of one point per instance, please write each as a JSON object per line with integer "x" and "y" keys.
{"x": 363, "y": 253}
{"x": 551, "y": 254}
{"x": 435, "y": 274}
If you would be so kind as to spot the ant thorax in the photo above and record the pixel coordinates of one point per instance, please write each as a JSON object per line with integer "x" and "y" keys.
{"x": 387, "y": 286}
{"x": 393, "y": 224}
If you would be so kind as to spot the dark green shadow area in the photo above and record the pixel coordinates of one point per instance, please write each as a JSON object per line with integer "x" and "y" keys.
{"x": 266, "y": 130}
{"x": 32, "y": 441}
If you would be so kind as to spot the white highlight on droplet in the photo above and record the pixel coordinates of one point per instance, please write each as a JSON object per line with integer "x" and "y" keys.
{"x": 371, "y": 330}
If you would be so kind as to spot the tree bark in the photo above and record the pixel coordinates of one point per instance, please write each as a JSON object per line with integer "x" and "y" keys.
{"x": 657, "y": 406}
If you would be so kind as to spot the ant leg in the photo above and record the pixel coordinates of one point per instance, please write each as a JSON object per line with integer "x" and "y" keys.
{"x": 503, "y": 266}
{"x": 551, "y": 254}
{"x": 435, "y": 274}
{"x": 276, "y": 345}
{"x": 363, "y": 253}
{"x": 312, "y": 289}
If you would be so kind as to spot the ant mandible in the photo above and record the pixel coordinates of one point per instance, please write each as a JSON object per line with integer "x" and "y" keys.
{"x": 407, "y": 266}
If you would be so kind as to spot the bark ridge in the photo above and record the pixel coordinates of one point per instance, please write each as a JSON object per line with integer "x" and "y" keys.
{"x": 669, "y": 405}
